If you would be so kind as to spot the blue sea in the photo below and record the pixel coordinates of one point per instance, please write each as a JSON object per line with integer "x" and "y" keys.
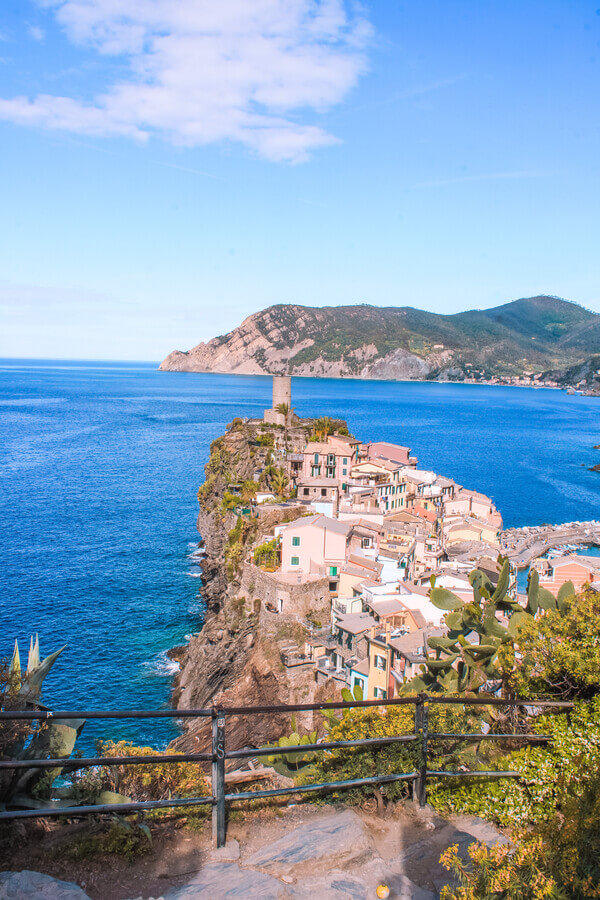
{"x": 100, "y": 464}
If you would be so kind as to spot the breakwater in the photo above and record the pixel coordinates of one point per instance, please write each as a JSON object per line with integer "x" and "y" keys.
{"x": 523, "y": 545}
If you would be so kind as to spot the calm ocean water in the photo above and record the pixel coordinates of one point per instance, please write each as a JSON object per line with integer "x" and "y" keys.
{"x": 99, "y": 468}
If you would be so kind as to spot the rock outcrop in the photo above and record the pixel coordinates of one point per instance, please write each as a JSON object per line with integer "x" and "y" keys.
{"x": 235, "y": 659}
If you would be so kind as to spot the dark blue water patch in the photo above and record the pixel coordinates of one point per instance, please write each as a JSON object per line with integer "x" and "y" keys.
{"x": 100, "y": 464}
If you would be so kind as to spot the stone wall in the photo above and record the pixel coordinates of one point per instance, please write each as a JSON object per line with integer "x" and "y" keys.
{"x": 294, "y": 600}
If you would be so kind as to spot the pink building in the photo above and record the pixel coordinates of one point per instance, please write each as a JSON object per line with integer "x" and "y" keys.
{"x": 472, "y": 503}
{"x": 579, "y": 570}
{"x": 330, "y": 459}
{"x": 392, "y": 452}
{"x": 315, "y": 545}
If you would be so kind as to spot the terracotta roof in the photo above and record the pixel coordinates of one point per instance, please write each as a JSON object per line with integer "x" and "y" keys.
{"x": 354, "y": 623}
{"x": 320, "y": 521}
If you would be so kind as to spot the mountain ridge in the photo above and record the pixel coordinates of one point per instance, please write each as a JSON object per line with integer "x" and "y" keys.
{"x": 539, "y": 334}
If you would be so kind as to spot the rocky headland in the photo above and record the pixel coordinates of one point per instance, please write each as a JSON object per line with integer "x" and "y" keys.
{"x": 535, "y": 340}
{"x": 235, "y": 660}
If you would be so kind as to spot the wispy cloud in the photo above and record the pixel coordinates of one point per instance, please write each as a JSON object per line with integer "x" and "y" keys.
{"x": 36, "y": 32}
{"x": 202, "y": 71}
{"x": 483, "y": 176}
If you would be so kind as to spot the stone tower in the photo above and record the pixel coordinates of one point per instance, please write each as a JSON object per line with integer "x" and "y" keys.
{"x": 282, "y": 390}
{"x": 282, "y": 393}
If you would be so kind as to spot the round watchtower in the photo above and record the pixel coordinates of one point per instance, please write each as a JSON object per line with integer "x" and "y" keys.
{"x": 282, "y": 390}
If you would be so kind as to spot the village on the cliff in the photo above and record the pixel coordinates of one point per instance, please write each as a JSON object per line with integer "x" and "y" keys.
{"x": 370, "y": 533}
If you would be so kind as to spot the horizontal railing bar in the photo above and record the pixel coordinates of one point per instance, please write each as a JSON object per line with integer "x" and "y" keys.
{"x": 85, "y": 762}
{"x": 326, "y": 745}
{"x": 480, "y": 772}
{"x": 356, "y": 782}
{"x": 257, "y": 710}
{"x": 476, "y": 736}
{"x": 47, "y": 714}
{"x": 308, "y": 707}
{"x": 105, "y": 808}
{"x": 498, "y": 701}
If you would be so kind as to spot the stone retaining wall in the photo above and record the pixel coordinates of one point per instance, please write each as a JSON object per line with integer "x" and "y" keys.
{"x": 297, "y": 600}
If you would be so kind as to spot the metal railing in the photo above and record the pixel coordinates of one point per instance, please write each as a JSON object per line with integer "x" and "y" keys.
{"x": 219, "y": 797}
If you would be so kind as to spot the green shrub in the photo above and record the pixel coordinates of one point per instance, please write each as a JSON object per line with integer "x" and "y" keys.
{"x": 267, "y": 554}
{"x": 120, "y": 838}
{"x": 559, "y": 858}
{"x": 364, "y": 762}
{"x": 549, "y": 774}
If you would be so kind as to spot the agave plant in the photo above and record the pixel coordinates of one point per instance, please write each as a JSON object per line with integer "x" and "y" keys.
{"x": 42, "y": 739}
{"x": 467, "y": 659}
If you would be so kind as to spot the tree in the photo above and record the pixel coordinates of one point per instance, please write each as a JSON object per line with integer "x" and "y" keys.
{"x": 248, "y": 491}
{"x": 279, "y": 483}
{"x": 322, "y": 428}
{"x": 560, "y": 650}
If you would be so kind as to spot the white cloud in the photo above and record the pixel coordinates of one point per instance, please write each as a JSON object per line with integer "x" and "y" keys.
{"x": 36, "y": 32}
{"x": 203, "y": 71}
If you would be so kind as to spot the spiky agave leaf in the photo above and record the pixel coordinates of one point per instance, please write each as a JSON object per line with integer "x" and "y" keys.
{"x": 15, "y": 666}
{"x": 32, "y": 685}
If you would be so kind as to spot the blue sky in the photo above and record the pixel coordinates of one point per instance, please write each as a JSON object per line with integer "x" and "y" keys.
{"x": 171, "y": 167}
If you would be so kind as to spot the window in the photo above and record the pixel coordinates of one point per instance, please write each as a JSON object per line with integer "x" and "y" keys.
{"x": 306, "y": 492}
{"x": 295, "y": 561}
{"x": 345, "y": 460}
{"x": 295, "y": 542}
{"x": 316, "y": 458}
{"x": 365, "y": 543}
{"x": 332, "y": 587}
{"x": 379, "y": 661}
{"x": 333, "y": 570}
{"x": 379, "y": 693}
{"x": 316, "y": 471}
{"x": 323, "y": 492}
{"x": 344, "y": 471}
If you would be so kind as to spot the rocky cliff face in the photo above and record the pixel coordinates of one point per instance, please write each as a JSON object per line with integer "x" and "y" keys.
{"x": 235, "y": 659}
{"x": 400, "y": 343}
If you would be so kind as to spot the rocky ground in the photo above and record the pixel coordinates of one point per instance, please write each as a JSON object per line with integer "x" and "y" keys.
{"x": 306, "y": 852}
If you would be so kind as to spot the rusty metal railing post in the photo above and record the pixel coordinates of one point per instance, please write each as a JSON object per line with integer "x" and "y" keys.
{"x": 218, "y": 777}
{"x": 422, "y": 728}
{"x": 418, "y": 721}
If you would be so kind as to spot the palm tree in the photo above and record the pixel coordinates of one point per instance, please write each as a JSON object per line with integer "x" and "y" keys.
{"x": 279, "y": 483}
{"x": 322, "y": 428}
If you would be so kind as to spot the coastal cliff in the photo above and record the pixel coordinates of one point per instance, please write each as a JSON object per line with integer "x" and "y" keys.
{"x": 235, "y": 660}
{"x": 544, "y": 335}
